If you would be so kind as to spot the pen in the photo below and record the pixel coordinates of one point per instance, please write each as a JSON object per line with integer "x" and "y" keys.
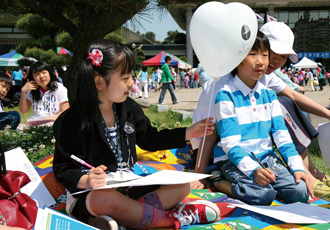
{"x": 81, "y": 161}
{"x": 258, "y": 160}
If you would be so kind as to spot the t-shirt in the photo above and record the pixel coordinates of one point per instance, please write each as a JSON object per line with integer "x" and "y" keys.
{"x": 143, "y": 76}
{"x": 249, "y": 120}
{"x": 271, "y": 81}
{"x": 50, "y": 101}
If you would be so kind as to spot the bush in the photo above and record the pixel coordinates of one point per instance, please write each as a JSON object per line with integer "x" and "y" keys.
{"x": 37, "y": 142}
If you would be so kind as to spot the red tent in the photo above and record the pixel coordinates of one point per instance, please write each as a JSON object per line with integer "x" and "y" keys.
{"x": 159, "y": 60}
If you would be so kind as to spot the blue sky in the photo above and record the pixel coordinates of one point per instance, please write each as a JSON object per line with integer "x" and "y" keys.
{"x": 159, "y": 26}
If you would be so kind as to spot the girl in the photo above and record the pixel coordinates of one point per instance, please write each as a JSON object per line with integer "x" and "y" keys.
{"x": 103, "y": 127}
{"x": 143, "y": 78}
{"x": 44, "y": 93}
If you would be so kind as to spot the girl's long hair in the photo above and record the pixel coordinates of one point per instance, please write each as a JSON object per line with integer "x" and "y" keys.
{"x": 116, "y": 57}
{"x": 38, "y": 67}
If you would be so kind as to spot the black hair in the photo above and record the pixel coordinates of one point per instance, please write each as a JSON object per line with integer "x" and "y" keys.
{"x": 4, "y": 77}
{"x": 116, "y": 57}
{"x": 38, "y": 67}
{"x": 261, "y": 42}
{"x": 144, "y": 68}
{"x": 167, "y": 58}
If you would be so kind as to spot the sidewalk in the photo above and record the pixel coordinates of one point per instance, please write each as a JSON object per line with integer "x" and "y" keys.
{"x": 188, "y": 100}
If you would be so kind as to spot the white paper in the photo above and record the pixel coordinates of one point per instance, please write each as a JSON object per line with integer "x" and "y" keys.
{"x": 295, "y": 213}
{"x": 49, "y": 219}
{"x": 164, "y": 177}
{"x": 16, "y": 160}
{"x": 121, "y": 176}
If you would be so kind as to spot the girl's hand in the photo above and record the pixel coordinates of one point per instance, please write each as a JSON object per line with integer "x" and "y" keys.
{"x": 198, "y": 129}
{"x": 29, "y": 85}
{"x": 264, "y": 176}
{"x": 96, "y": 177}
{"x": 200, "y": 184}
{"x": 301, "y": 175}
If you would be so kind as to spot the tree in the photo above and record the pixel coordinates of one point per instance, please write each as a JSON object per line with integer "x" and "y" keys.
{"x": 83, "y": 20}
{"x": 151, "y": 36}
{"x": 170, "y": 37}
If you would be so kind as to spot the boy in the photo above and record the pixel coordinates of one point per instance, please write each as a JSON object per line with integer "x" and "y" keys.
{"x": 11, "y": 118}
{"x": 249, "y": 117}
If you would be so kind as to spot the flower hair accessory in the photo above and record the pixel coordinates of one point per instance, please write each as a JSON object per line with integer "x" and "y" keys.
{"x": 96, "y": 56}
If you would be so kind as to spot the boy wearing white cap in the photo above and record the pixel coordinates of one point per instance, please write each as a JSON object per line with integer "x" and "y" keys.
{"x": 281, "y": 41}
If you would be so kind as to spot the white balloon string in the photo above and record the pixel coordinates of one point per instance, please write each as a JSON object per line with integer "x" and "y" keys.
{"x": 208, "y": 115}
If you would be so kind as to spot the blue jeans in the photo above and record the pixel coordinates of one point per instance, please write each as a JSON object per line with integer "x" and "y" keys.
{"x": 247, "y": 190}
{"x": 11, "y": 118}
{"x": 167, "y": 85}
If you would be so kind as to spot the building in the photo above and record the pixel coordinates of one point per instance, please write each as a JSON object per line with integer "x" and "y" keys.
{"x": 309, "y": 20}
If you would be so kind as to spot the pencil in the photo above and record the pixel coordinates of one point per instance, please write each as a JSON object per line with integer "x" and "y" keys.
{"x": 258, "y": 160}
{"x": 81, "y": 161}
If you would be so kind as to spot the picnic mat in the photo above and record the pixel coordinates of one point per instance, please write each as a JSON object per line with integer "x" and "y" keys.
{"x": 231, "y": 217}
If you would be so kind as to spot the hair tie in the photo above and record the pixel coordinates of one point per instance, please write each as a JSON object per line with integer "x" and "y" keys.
{"x": 96, "y": 56}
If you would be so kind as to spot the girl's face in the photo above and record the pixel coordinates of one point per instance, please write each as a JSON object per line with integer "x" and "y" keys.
{"x": 42, "y": 78}
{"x": 276, "y": 61}
{"x": 118, "y": 88}
{"x": 253, "y": 67}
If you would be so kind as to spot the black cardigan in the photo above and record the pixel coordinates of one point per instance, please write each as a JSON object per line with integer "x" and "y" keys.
{"x": 94, "y": 148}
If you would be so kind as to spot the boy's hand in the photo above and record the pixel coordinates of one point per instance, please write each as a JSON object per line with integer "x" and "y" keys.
{"x": 198, "y": 129}
{"x": 30, "y": 85}
{"x": 264, "y": 176}
{"x": 301, "y": 175}
{"x": 96, "y": 177}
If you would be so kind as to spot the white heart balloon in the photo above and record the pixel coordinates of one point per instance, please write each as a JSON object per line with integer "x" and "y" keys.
{"x": 222, "y": 35}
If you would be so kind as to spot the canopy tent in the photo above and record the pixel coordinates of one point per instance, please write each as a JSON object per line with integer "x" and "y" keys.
{"x": 11, "y": 58}
{"x": 305, "y": 63}
{"x": 62, "y": 50}
{"x": 181, "y": 64}
{"x": 159, "y": 60}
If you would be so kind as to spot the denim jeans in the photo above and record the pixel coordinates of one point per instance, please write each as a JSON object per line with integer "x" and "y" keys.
{"x": 11, "y": 118}
{"x": 167, "y": 85}
{"x": 247, "y": 190}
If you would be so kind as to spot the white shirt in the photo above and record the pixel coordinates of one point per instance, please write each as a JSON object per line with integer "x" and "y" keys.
{"x": 49, "y": 104}
{"x": 206, "y": 99}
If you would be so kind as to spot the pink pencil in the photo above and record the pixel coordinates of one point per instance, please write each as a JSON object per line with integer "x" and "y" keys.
{"x": 81, "y": 161}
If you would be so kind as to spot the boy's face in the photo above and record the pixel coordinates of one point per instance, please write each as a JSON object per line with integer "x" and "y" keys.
{"x": 253, "y": 67}
{"x": 4, "y": 88}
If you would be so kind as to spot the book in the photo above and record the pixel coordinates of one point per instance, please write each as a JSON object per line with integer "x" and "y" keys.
{"x": 38, "y": 121}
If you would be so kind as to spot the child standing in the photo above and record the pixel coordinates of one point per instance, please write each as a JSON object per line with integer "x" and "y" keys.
{"x": 143, "y": 78}
{"x": 155, "y": 79}
{"x": 44, "y": 93}
{"x": 103, "y": 127}
{"x": 11, "y": 118}
{"x": 248, "y": 117}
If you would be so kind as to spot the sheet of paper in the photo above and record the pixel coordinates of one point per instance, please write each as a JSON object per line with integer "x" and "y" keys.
{"x": 16, "y": 160}
{"x": 164, "y": 177}
{"x": 49, "y": 219}
{"x": 295, "y": 213}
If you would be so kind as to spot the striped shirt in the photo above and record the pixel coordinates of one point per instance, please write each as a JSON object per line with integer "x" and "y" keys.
{"x": 246, "y": 119}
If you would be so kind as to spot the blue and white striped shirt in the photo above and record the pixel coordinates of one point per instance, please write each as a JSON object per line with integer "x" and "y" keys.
{"x": 246, "y": 119}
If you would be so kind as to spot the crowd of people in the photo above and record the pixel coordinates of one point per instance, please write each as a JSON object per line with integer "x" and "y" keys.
{"x": 104, "y": 125}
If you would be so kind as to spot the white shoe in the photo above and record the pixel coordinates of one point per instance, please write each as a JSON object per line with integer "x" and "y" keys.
{"x": 103, "y": 222}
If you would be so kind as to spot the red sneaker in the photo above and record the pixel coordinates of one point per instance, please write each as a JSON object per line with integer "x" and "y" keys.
{"x": 196, "y": 212}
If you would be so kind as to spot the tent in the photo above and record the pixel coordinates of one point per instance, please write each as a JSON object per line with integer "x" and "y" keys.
{"x": 10, "y": 59}
{"x": 62, "y": 50}
{"x": 159, "y": 60}
{"x": 181, "y": 64}
{"x": 305, "y": 63}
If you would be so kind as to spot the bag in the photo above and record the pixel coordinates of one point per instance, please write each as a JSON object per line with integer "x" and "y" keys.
{"x": 16, "y": 209}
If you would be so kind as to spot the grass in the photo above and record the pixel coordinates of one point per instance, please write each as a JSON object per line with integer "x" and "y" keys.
{"x": 24, "y": 116}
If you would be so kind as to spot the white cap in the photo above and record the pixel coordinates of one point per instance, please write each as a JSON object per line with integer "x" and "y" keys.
{"x": 280, "y": 38}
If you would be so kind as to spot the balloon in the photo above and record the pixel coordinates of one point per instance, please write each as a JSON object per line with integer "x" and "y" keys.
{"x": 222, "y": 35}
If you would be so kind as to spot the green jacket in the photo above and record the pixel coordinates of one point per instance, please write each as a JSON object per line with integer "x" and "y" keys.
{"x": 166, "y": 74}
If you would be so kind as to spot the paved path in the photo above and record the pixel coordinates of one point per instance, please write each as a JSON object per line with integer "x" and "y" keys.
{"x": 188, "y": 100}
